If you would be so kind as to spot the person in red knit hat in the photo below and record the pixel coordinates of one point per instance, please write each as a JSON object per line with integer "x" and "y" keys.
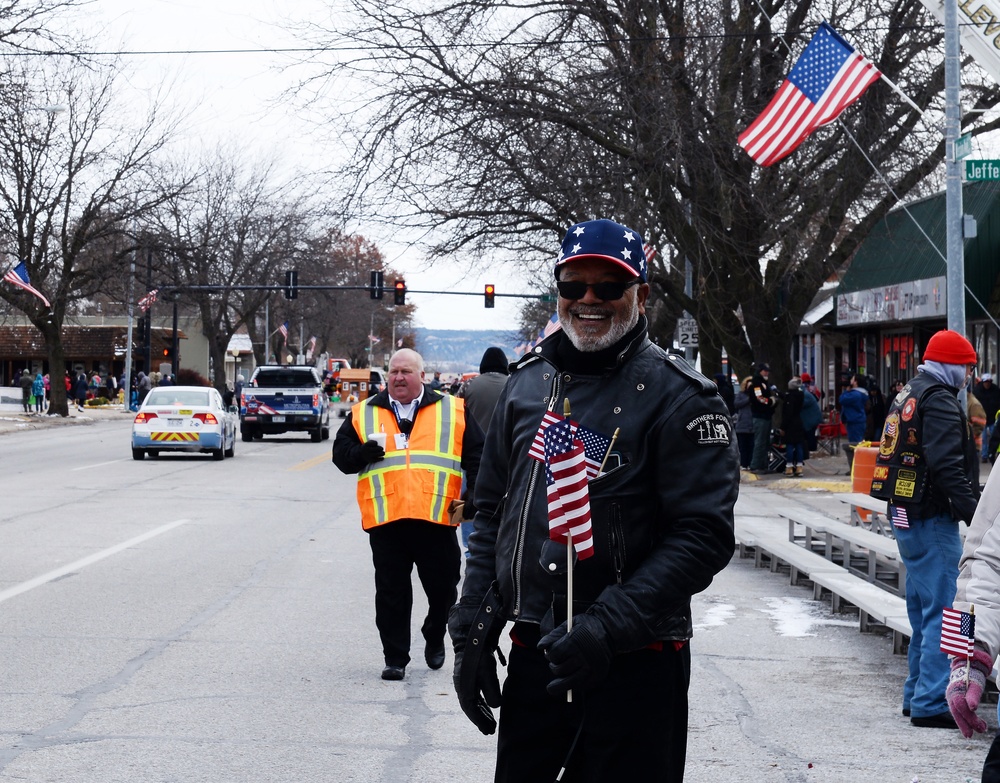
{"x": 928, "y": 470}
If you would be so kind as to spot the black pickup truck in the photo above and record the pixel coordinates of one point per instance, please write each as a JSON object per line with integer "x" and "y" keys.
{"x": 284, "y": 398}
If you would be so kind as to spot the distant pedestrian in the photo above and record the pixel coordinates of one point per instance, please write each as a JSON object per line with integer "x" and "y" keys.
{"x": 26, "y": 383}
{"x": 143, "y": 385}
{"x": 988, "y": 393}
{"x": 38, "y": 392}
{"x": 80, "y": 390}
{"x": 811, "y": 417}
{"x": 854, "y": 407}
{"x": 744, "y": 423}
{"x": 726, "y": 391}
{"x": 481, "y": 395}
{"x": 762, "y": 409}
{"x": 791, "y": 425}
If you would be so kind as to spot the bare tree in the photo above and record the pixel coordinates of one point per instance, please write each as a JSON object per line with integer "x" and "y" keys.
{"x": 237, "y": 224}
{"x": 493, "y": 126}
{"x": 72, "y": 183}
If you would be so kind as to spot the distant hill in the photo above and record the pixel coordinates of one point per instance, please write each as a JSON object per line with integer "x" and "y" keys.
{"x": 457, "y": 350}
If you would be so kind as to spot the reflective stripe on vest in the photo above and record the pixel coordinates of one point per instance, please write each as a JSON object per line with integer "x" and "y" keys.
{"x": 418, "y": 482}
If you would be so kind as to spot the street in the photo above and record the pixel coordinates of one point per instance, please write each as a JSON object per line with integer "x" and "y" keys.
{"x": 181, "y": 619}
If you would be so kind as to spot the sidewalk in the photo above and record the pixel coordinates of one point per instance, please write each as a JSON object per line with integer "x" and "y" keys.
{"x": 14, "y": 419}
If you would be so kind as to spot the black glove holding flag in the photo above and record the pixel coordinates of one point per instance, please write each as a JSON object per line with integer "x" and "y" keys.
{"x": 475, "y": 634}
{"x": 579, "y": 658}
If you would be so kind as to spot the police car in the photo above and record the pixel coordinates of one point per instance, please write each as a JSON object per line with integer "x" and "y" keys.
{"x": 184, "y": 418}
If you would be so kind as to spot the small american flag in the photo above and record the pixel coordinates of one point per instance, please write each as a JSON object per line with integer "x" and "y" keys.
{"x": 827, "y": 78}
{"x": 19, "y": 276}
{"x": 958, "y": 633}
{"x": 147, "y": 301}
{"x": 284, "y": 330}
{"x": 595, "y": 446}
{"x": 537, "y": 450}
{"x": 899, "y": 518}
{"x": 650, "y": 251}
{"x": 566, "y": 488}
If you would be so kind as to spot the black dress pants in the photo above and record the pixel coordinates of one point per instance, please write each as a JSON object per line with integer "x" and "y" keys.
{"x": 396, "y": 548}
{"x": 634, "y": 724}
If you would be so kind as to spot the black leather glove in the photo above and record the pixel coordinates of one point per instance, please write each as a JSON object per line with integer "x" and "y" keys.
{"x": 580, "y": 658}
{"x": 371, "y": 451}
{"x": 478, "y": 691}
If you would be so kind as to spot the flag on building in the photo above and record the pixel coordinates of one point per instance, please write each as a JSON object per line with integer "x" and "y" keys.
{"x": 827, "y": 78}
{"x": 310, "y": 348}
{"x": 19, "y": 276}
{"x": 147, "y": 301}
{"x": 284, "y": 330}
{"x": 566, "y": 488}
{"x": 958, "y": 632}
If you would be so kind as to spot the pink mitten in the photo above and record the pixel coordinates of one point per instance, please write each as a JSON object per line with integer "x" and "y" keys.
{"x": 964, "y": 693}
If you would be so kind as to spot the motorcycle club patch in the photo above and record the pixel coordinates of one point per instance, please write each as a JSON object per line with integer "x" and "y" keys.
{"x": 710, "y": 429}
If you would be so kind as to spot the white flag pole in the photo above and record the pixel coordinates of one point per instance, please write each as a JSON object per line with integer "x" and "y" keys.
{"x": 569, "y": 569}
{"x": 901, "y": 94}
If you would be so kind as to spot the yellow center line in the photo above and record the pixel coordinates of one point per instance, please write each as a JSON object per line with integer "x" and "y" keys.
{"x": 311, "y": 463}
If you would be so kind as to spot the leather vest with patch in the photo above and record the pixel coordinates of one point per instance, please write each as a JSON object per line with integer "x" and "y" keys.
{"x": 900, "y": 472}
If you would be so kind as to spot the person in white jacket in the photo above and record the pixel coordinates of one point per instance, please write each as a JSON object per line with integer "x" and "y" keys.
{"x": 978, "y": 591}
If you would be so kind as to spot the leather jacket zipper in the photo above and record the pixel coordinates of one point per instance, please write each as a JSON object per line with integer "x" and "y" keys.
{"x": 617, "y": 542}
{"x": 522, "y": 523}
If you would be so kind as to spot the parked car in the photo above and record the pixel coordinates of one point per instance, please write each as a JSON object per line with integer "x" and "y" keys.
{"x": 184, "y": 418}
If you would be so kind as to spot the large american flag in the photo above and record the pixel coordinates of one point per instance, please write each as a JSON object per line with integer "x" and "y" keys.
{"x": 958, "y": 633}
{"x": 19, "y": 276}
{"x": 828, "y": 77}
{"x": 566, "y": 488}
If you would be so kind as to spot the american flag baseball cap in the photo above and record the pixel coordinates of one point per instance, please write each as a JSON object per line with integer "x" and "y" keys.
{"x": 605, "y": 239}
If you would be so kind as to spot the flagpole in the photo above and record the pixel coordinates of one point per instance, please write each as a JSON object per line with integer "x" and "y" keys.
{"x": 569, "y": 569}
{"x": 968, "y": 655}
{"x": 901, "y": 94}
{"x": 608, "y": 452}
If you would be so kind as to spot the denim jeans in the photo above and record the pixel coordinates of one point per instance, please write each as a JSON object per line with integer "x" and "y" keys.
{"x": 987, "y": 435}
{"x": 930, "y": 549}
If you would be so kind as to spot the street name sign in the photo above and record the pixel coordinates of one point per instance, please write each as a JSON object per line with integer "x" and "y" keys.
{"x": 976, "y": 170}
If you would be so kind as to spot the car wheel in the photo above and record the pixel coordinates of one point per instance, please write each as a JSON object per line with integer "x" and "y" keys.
{"x": 258, "y": 436}
{"x": 246, "y": 435}
{"x": 231, "y": 451}
{"x": 316, "y": 435}
{"x": 218, "y": 454}
{"x": 326, "y": 431}
{"x": 138, "y": 453}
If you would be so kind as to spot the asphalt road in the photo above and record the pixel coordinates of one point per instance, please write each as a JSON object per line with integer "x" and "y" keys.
{"x": 182, "y": 619}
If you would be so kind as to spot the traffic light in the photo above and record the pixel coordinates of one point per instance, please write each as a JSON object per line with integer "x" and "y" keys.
{"x": 292, "y": 284}
{"x": 489, "y": 292}
{"x": 400, "y": 287}
{"x": 376, "y": 285}
{"x": 168, "y": 354}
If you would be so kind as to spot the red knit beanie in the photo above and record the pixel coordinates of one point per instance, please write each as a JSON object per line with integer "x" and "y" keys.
{"x": 949, "y": 347}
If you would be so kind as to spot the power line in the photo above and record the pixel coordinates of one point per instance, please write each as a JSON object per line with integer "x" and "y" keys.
{"x": 476, "y": 45}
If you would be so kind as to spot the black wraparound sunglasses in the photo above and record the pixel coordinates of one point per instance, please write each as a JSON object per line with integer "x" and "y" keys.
{"x": 610, "y": 291}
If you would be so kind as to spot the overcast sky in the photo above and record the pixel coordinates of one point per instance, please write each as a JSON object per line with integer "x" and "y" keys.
{"x": 236, "y": 96}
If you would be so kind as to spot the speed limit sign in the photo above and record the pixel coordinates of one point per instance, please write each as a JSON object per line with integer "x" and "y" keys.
{"x": 687, "y": 333}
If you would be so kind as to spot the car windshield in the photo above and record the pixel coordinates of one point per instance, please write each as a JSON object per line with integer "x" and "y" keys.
{"x": 280, "y": 380}
{"x": 180, "y": 398}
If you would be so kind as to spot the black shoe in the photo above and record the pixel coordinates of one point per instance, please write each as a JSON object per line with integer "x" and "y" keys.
{"x": 434, "y": 654}
{"x": 393, "y": 672}
{"x": 942, "y": 720}
{"x": 906, "y": 712}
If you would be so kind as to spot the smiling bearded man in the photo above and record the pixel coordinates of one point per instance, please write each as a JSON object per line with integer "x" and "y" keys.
{"x": 660, "y": 511}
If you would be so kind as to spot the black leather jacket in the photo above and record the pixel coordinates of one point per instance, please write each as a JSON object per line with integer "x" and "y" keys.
{"x": 662, "y": 512}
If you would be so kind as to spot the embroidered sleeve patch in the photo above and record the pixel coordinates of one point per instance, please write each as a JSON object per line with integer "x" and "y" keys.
{"x": 710, "y": 429}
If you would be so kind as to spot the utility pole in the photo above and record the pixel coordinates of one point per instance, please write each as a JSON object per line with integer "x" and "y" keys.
{"x": 953, "y": 177}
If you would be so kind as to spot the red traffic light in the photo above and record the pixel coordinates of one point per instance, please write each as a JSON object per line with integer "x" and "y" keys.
{"x": 400, "y": 292}
{"x": 489, "y": 292}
